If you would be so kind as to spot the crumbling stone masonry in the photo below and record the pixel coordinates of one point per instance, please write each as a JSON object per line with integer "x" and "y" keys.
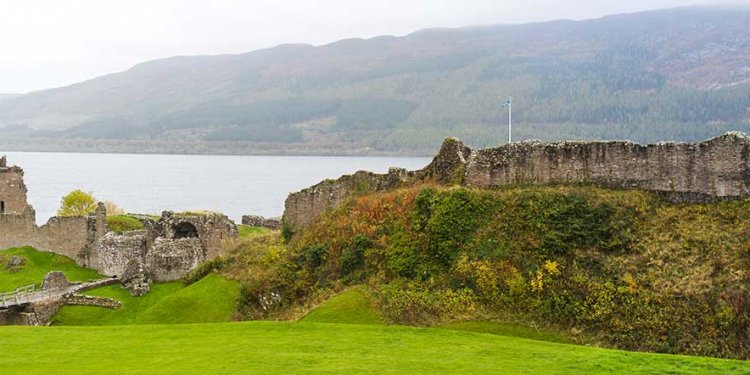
{"x": 273, "y": 223}
{"x": 303, "y": 207}
{"x": 69, "y": 236}
{"x": 167, "y": 248}
{"x": 715, "y": 169}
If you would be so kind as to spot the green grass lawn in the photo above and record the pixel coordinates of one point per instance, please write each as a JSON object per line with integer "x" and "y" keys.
{"x": 275, "y": 347}
{"x": 246, "y": 231}
{"x": 36, "y": 265}
{"x": 211, "y": 299}
{"x": 508, "y": 329}
{"x": 351, "y": 307}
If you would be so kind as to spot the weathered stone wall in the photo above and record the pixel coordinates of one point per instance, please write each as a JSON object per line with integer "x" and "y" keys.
{"x": 170, "y": 259}
{"x": 84, "y": 300}
{"x": 64, "y": 235}
{"x": 716, "y": 169}
{"x": 114, "y": 251}
{"x": 17, "y": 229}
{"x": 214, "y": 230}
{"x": 302, "y": 208}
{"x": 273, "y": 223}
{"x": 167, "y": 248}
{"x": 73, "y": 237}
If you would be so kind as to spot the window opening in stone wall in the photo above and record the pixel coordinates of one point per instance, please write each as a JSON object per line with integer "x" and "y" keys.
{"x": 185, "y": 230}
{"x": 2, "y": 207}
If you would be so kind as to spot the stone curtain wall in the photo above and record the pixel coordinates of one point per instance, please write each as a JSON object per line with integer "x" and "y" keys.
{"x": 716, "y": 169}
{"x": 73, "y": 237}
{"x": 301, "y": 208}
{"x": 273, "y": 223}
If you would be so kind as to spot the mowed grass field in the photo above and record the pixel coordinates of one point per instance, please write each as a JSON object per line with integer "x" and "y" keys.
{"x": 143, "y": 337}
{"x": 277, "y": 347}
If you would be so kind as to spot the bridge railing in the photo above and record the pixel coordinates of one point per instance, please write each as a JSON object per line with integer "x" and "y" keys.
{"x": 17, "y": 297}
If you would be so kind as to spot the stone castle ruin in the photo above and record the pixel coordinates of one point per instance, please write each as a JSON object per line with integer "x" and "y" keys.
{"x": 712, "y": 170}
{"x": 166, "y": 249}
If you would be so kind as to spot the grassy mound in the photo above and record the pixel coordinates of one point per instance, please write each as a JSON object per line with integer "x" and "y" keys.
{"x": 246, "y": 231}
{"x": 212, "y": 299}
{"x": 35, "y": 265}
{"x": 273, "y": 347}
{"x": 123, "y": 223}
{"x": 351, "y": 307}
{"x": 621, "y": 267}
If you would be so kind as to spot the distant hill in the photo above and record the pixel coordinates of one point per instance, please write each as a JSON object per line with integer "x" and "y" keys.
{"x": 677, "y": 74}
{"x": 8, "y": 96}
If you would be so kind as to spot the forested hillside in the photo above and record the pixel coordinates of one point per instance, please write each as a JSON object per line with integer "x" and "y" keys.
{"x": 680, "y": 74}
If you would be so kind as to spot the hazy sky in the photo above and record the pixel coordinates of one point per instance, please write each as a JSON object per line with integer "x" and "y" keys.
{"x": 49, "y": 43}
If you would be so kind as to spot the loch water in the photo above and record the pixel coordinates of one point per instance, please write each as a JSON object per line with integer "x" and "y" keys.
{"x": 234, "y": 185}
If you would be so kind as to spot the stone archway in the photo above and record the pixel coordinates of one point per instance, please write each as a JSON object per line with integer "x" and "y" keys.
{"x": 185, "y": 230}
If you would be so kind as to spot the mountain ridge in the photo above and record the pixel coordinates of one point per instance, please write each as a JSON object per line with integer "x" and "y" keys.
{"x": 619, "y": 76}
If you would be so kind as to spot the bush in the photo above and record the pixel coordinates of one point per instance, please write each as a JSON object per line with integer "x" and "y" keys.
{"x": 415, "y": 303}
{"x": 77, "y": 203}
{"x": 113, "y": 209}
{"x": 353, "y": 256}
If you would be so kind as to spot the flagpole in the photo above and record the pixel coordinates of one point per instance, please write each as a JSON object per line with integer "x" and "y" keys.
{"x": 510, "y": 119}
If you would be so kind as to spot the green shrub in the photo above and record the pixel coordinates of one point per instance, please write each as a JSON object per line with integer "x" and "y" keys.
{"x": 353, "y": 256}
{"x": 287, "y": 232}
{"x": 416, "y": 304}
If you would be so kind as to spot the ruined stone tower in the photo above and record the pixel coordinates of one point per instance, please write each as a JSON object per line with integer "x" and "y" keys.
{"x": 12, "y": 189}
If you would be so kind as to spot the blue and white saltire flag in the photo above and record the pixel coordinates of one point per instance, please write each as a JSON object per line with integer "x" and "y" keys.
{"x": 507, "y": 104}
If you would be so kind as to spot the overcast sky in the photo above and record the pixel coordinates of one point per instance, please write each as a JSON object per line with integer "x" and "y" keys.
{"x": 50, "y": 43}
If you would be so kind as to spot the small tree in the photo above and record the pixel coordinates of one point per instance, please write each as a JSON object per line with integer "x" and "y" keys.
{"x": 113, "y": 209}
{"x": 77, "y": 203}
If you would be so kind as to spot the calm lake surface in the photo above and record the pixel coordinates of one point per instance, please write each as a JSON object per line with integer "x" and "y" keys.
{"x": 234, "y": 185}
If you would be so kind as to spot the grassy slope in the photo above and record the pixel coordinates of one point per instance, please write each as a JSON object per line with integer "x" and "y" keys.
{"x": 37, "y": 265}
{"x": 246, "y": 231}
{"x": 211, "y": 299}
{"x": 351, "y": 307}
{"x": 261, "y": 347}
{"x": 507, "y": 329}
